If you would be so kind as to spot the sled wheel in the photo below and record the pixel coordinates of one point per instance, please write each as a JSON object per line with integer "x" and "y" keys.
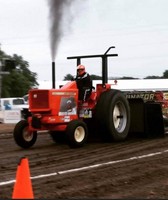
{"x": 76, "y": 133}
{"x": 165, "y": 121}
{"x": 113, "y": 115}
{"x": 22, "y": 136}
{"x": 58, "y": 136}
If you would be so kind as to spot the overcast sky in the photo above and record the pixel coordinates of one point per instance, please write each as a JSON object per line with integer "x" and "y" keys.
{"x": 137, "y": 28}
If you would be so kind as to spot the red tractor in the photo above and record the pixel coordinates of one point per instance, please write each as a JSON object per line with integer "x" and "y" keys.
{"x": 107, "y": 112}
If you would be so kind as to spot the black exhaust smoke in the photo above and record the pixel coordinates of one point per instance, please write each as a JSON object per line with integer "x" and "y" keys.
{"x": 58, "y": 8}
{"x": 60, "y": 12}
{"x": 61, "y": 17}
{"x": 53, "y": 74}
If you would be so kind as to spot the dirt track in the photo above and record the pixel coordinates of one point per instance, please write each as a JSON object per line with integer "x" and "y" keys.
{"x": 136, "y": 168}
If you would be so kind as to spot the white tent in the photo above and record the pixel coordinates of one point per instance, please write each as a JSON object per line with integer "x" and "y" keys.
{"x": 132, "y": 84}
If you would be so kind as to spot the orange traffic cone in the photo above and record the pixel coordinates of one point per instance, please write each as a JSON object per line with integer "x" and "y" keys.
{"x": 23, "y": 185}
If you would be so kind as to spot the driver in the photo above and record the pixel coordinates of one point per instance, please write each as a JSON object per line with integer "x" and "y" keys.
{"x": 84, "y": 83}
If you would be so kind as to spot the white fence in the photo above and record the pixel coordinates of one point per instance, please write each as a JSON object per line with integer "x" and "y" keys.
{"x": 10, "y": 116}
{"x": 132, "y": 84}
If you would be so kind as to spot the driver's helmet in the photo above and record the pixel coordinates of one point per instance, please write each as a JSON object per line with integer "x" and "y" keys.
{"x": 80, "y": 70}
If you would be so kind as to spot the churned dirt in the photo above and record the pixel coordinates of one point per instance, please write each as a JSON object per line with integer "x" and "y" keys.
{"x": 134, "y": 169}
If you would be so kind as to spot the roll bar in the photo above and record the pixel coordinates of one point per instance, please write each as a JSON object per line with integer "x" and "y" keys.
{"x": 104, "y": 62}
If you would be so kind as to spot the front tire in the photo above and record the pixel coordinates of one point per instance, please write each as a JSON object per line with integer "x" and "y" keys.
{"x": 76, "y": 133}
{"x": 22, "y": 136}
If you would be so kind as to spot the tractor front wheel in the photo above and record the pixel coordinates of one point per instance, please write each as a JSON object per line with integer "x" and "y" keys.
{"x": 22, "y": 136}
{"x": 76, "y": 133}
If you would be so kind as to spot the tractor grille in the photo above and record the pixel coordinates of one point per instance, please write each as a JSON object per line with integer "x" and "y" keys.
{"x": 39, "y": 99}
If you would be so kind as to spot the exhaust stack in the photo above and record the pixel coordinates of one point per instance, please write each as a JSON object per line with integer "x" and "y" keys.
{"x": 53, "y": 75}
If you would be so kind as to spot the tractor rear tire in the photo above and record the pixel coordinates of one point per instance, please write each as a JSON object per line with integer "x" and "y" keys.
{"x": 76, "y": 133}
{"x": 58, "y": 136}
{"x": 112, "y": 114}
{"x": 22, "y": 136}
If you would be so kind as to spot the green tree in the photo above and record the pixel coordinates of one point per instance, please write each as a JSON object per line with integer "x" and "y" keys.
{"x": 127, "y": 77}
{"x": 95, "y": 77}
{"x": 152, "y": 77}
{"x": 165, "y": 74}
{"x": 68, "y": 77}
{"x": 20, "y": 79}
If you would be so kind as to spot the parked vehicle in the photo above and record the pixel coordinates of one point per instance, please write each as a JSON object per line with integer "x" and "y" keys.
{"x": 15, "y": 103}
